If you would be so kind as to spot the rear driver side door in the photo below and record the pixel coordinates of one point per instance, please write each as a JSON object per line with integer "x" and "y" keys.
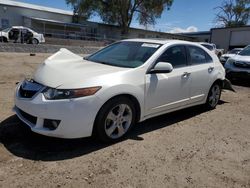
{"x": 202, "y": 71}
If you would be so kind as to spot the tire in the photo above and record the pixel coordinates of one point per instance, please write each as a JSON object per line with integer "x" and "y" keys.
{"x": 115, "y": 119}
{"x": 213, "y": 96}
{"x": 3, "y": 39}
{"x": 34, "y": 41}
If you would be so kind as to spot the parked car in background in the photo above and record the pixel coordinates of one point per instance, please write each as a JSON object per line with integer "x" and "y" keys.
{"x": 238, "y": 66}
{"x": 230, "y": 54}
{"x": 213, "y": 48}
{"x": 21, "y": 34}
{"x": 127, "y": 82}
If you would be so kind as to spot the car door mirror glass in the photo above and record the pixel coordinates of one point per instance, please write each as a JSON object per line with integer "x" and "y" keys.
{"x": 162, "y": 67}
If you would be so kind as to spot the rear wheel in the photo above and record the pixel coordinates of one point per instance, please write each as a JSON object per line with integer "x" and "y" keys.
{"x": 3, "y": 39}
{"x": 213, "y": 96}
{"x": 115, "y": 119}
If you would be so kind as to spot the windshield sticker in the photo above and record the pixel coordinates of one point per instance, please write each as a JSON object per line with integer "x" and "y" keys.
{"x": 150, "y": 45}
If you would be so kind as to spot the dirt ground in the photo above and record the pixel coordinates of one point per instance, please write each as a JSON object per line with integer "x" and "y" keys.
{"x": 188, "y": 148}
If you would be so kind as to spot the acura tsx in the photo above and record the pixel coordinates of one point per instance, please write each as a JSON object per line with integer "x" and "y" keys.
{"x": 109, "y": 91}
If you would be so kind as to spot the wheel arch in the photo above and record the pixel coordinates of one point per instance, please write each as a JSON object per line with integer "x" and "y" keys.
{"x": 218, "y": 81}
{"x": 131, "y": 97}
{"x": 38, "y": 42}
{"x": 3, "y": 39}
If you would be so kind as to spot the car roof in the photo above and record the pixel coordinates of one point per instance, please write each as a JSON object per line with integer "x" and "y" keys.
{"x": 237, "y": 48}
{"x": 19, "y": 27}
{"x": 159, "y": 41}
{"x": 205, "y": 43}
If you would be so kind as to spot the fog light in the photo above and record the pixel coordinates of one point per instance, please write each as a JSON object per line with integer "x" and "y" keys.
{"x": 51, "y": 124}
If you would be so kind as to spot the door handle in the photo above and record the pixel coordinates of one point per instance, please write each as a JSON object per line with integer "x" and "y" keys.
{"x": 186, "y": 74}
{"x": 210, "y": 69}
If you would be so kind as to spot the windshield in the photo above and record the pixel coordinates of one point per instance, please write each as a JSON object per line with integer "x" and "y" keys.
{"x": 210, "y": 47}
{"x": 245, "y": 51}
{"x": 125, "y": 54}
{"x": 234, "y": 51}
{"x": 6, "y": 30}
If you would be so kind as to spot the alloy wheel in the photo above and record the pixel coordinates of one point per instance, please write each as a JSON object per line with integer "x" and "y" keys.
{"x": 118, "y": 121}
{"x": 214, "y": 96}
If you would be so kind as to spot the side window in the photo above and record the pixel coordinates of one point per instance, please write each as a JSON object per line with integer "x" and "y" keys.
{"x": 209, "y": 58}
{"x": 175, "y": 55}
{"x": 14, "y": 34}
{"x": 198, "y": 56}
{"x": 24, "y": 31}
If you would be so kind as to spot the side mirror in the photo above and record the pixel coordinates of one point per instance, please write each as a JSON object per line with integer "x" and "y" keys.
{"x": 161, "y": 67}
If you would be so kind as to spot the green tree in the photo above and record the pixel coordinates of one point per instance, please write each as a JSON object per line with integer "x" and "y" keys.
{"x": 233, "y": 13}
{"x": 121, "y": 12}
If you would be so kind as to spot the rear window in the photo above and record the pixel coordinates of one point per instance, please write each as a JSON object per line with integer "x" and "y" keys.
{"x": 210, "y": 47}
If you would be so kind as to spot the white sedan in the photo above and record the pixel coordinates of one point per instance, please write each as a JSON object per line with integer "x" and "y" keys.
{"x": 238, "y": 66}
{"x": 230, "y": 54}
{"x": 118, "y": 86}
{"x": 21, "y": 34}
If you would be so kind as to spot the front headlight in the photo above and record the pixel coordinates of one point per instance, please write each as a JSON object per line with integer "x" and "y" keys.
{"x": 229, "y": 64}
{"x": 230, "y": 61}
{"x": 56, "y": 94}
{"x": 222, "y": 58}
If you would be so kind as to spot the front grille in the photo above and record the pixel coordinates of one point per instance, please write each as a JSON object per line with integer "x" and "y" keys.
{"x": 30, "y": 118}
{"x": 242, "y": 64}
{"x": 29, "y": 89}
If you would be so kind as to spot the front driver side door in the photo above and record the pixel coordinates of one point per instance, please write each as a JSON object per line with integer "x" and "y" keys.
{"x": 167, "y": 91}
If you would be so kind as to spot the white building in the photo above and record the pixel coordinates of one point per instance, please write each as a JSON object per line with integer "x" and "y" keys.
{"x": 231, "y": 37}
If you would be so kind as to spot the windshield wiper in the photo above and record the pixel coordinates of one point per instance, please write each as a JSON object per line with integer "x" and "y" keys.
{"x": 102, "y": 62}
{"x": 110, "y": 64}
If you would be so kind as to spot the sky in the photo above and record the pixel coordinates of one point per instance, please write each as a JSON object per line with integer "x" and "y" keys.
{"x": 183, "y": 16}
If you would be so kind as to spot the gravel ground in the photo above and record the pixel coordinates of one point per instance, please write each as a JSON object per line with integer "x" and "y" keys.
{"x": 188, "y": 148}
{"x": 45, "y": 48}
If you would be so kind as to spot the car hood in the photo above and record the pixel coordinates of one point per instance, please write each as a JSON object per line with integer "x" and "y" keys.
{"x": 66, "y": 70}
{"x": 228, "y": 55}
{"x": 241, "y": 58}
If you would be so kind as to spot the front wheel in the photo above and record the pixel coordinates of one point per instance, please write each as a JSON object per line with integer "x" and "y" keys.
{"x": 115, "y": 119}
{"x": 35, "y": 41}
{"x": 213, "y": 96}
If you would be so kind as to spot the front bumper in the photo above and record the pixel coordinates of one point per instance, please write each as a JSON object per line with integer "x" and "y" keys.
{"x": 223, "y": 59}
{"x": 76, "y": 116}
{"x": 236, "y": 72}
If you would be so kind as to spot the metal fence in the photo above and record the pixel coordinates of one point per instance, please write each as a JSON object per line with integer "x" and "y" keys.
{"x": 76, "y": 35}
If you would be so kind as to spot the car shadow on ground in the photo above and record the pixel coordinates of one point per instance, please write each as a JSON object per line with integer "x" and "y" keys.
{"x": 20, "y": 141}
